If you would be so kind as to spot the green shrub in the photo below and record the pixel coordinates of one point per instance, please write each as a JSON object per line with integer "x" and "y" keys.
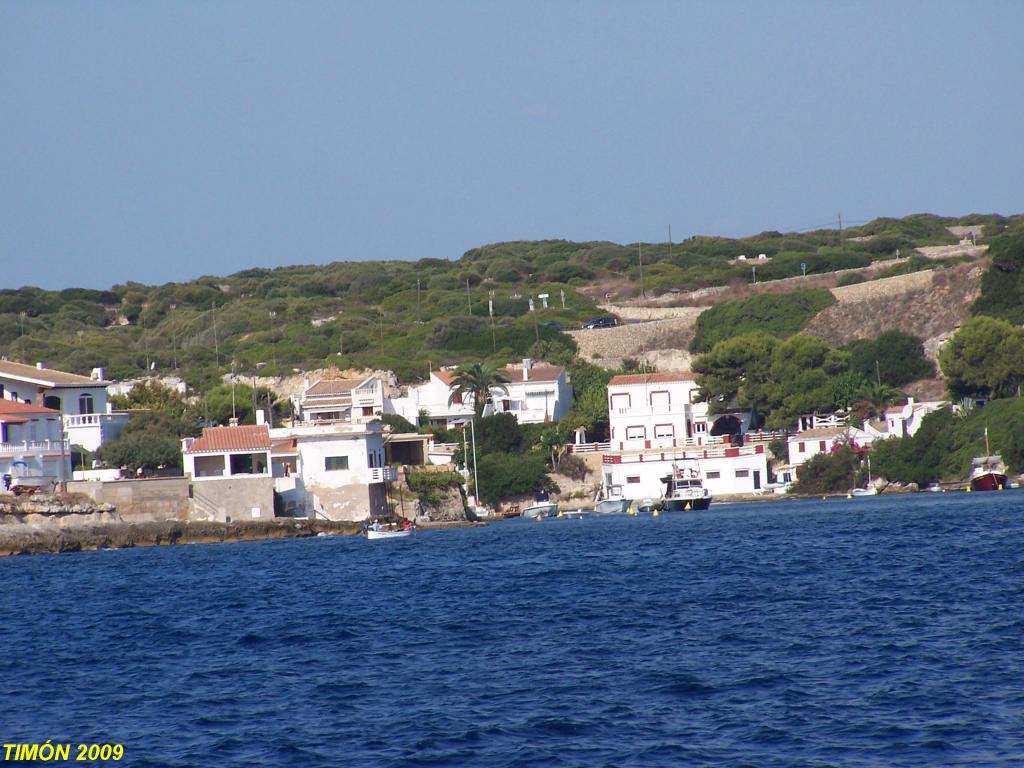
{"x": 851, "y": 278}
{"x": 780, "y": 314}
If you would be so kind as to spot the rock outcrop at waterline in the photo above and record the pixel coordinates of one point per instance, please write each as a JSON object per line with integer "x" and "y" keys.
{"x": 34, "y": 539}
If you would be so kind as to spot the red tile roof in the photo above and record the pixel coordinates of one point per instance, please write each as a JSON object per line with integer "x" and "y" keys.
{"x": 537, "y": 373}
{"x": 333, "y": 387}
{"x": 223, "y": 439}
{"x": 285, "y": 447}
{"x": 14, "y": 408}
{"x": 448, "y": 377}
{"x": 47, "y": 375}
{"x": 650, "y": 378}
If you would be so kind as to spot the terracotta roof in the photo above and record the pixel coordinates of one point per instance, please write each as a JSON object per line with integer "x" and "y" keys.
{"x": 821, "y": 432}
{"x": 537, "y": 373}
{"x": 47, "y": 375}
{"x": 285, "y": 447}
{"x": 327, "y": 402}
{"x": 650, "y": 378}
{"x": 333, "y": 387}
{"x": 448, "y": 377}
{"x": 895, "y": 409}
{"x": 221, "y": 439}
{"x": 14, "y": 408}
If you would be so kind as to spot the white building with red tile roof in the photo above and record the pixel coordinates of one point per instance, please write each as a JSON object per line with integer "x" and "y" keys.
{"x": 808, "y": 443}
{"x": 87, "y": 418}
{"x": 536, "y": 393}
{"x": 336, "y": 399}
{"x": 31, "y": 440}
{"x": 230, "y": 468}
{"x": 655, "y": 410}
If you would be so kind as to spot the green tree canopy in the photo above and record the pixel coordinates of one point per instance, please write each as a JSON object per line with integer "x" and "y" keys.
{"x": 738, "y": 369}
{"x": 778, "y": 314}
{"x": 895, "y": 357}
{"x": 1002, "y": 287}
{"x": 984, "y": 359}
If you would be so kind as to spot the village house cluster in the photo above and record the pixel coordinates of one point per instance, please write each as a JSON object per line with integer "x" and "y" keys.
{"x": 336, "y": 459}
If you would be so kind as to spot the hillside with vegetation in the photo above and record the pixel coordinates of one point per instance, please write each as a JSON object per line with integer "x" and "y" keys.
{"x": 408, "y": 315}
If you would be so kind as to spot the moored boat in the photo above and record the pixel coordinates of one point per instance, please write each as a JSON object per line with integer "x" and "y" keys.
{"x": 541, "y": 509}
{"x": 611, "y": 501}
{"x": 386, "y": 534}
{"x": 988, "y": 473}
{"x": 684, "y": 491}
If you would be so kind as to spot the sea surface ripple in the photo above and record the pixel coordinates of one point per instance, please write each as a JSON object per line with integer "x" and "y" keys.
{"x": 871, "y": 632}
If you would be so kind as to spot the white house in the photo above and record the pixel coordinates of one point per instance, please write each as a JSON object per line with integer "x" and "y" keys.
{"x": 805, "y": 445}
{"x": 536, "y": 393}
{"x": 32, "y": 435}
{"x": 82, "y": 400}
{"x": 723, "y": 469}
{"x": 902, "y": 420}
{"x": 431, "y": 397}
{"x": 230, "y": 471}
{"x": 337, "y": 399}
{"x": 336, "y": 471}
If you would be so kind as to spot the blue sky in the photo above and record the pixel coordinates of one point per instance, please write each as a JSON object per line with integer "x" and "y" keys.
{"x": 161, "y": 141}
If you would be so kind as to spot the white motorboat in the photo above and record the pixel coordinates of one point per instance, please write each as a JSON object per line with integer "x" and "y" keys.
{"x": 541, "y": 510}
{"x": 610, "y": 501}
{"x": 386, "y": 534}
{"x": 684, "y": 490}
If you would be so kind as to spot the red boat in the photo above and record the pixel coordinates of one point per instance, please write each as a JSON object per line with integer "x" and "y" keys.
{"x": 988, "y": 473}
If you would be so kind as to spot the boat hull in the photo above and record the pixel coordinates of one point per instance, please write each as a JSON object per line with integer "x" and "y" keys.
{"x": 612, "y": 506}
{"x": 686, "y": 505}
{"x": 541, "y": 510}
{"x": 372, "y": 535}
{"x": 988, "y": 481}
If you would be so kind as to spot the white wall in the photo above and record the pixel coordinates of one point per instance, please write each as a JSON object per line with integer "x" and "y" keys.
{"x": 315, "y": 450}
{"x": 720, "y": 475}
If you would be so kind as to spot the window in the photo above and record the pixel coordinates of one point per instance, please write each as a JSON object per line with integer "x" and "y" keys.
{"x": 636, "y": 433}
{"x": 821, "y": 446}
{"x": 620, "y": 401}
{"x": 52, "y": 401}
{"x": 700, "y": 426}
{"x": 800, "y": 447}
{"x": 332, "y": 463}
{"x": 632, "y": 479}
{"x": 664, "y": 430}
{"x": 85, "y": 404}
{"x": 713, "y": 474}
{"x": 742, "y": 473}
{"x": 660, "y": 399}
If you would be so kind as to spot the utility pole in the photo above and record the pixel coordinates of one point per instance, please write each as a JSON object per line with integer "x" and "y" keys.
{"x": 469, "y": 299}
{"x": 216, "y": 344}
{"x": 418, "y": 301}
{"x": 640, "y": 254}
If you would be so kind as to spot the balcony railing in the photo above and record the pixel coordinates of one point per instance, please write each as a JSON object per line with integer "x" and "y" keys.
{"x": 92, "y": 419}
{"x": 39, "y": 446}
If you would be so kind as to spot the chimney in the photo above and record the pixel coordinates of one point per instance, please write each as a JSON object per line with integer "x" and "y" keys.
{"x": 261, "y": 417}
{"x": 526, "y": 368}
{"x": 97, "y": 374}
{"x": 40, "y": 366}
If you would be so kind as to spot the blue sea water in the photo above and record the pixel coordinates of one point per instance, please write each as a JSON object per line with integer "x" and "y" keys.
{"x": 872, "y": 632}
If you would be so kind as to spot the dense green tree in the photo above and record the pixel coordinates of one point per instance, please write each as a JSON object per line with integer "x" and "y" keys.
{"x": 873, "y": 399}
{"x": 893, "y": 357}
{"x": 738, "y": 369}
{"x": 1002, "y": 286}
{"x": 142, "y": 450}
{"x": 984, "y": 359}
{"x": 801, "y": 372}
{"x": 502, "y": 475}
{"x": 833, "y": 472}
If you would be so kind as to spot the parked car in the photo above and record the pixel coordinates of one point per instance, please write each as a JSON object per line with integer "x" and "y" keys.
{"x": 601, "y": 322}
{"x": 553, "y": 324}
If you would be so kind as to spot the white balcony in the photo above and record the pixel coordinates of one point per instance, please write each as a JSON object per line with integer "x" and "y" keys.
{"x": 34, "y": 447}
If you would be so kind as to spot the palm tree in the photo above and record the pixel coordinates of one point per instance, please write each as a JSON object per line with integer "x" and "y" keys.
{"x": 478, "y": 381}
{"x": 873, "y": 398}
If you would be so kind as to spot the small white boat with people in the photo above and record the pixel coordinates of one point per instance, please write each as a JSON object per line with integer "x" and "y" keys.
{"x": 684, "y": 490}
{"x": 542, "y": 507}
